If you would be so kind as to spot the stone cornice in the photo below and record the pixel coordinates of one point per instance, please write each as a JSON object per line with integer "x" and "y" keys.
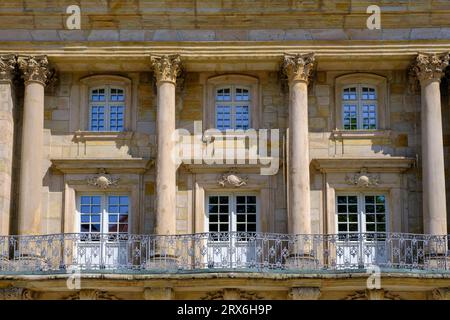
{"x": 379, "y": 164}
{"x": 35, "y": 69}
{"x": 298, "y": 67}
{"x": 166, "y": 67}
{"x": 430, "y": 66}
{"x": 8, "y": 64}
{"x": 92, "y": 165}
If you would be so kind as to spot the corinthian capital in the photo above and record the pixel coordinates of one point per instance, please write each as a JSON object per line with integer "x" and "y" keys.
{"x": 299, "y": 67}
{"x": 35, "y": 68}
{"x": 166, "y": 68}
{"x": 429, "y": 66}
{"x": 7, "y": 66}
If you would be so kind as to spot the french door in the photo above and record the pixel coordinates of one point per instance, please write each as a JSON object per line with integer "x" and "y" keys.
{"x": 361, "y": 226}
{"x": 231, "y": 220}
{"x": 102, "y": 221}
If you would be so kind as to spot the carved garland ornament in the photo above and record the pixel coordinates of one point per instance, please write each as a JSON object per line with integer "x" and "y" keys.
{"x": 7, "y": 66}
{"x": 235, "y": 293}
{"x": 35, "y": 68}
{"x": 14, "y": 293}
{"x": 91, "y": 294}
{"x": 102, "y": 180}
{"x": 166, "y": 68}
{"x": 373, "y": 294}
{"x": 299, "y": 67}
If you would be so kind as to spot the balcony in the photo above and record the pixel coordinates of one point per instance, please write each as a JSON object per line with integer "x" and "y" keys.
{"x": 223, "y": 252}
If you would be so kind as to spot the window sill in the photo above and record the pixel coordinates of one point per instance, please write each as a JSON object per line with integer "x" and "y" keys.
{"x": 360, "y": 134}
{"x": 81, "y": 136}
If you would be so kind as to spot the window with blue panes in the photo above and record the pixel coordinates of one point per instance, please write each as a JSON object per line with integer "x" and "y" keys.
{"x": 104, "y": 214}
{"x": 233, "y": 108}
{"x": 359, "y": 107}
{"x": 107, "y": 109}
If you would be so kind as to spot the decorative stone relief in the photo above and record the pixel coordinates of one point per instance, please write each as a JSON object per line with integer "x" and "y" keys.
{"x": 299, "y": 67}
{"x": 440, "y": 294}
{"x": 102, "y": 180}
{"x": 430, "y": 66}
{"x": 35, "y": 68}
{"x": 7, "y": 66}
{"x": 14, "y": 293}
{"x": 166, "y": 68}
{"x": 363, "y": 179}
{"x": 373, "y": 294}
{"x": 91, "y": 294}
{"x": 232, "y": 179}
{"x": 232, "y": 294}
{"x": 305, "y": 293}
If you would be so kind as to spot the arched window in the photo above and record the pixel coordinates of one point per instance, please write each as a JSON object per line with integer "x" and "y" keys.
{"x": 359, "y": 107}
{"x": 232, "y": 108}
{"x": 107, "y": 109}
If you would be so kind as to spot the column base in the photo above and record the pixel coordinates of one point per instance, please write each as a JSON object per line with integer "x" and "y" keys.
{"x": 162, "y": 263}
{"x": 301, "y": 262}
{"x": 438, "y": 262}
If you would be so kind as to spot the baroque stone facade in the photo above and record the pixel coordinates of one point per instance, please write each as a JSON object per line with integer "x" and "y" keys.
{"x": 90, "y": 122}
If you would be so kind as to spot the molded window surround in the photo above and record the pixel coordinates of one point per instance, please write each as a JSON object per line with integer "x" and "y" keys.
{"x": 215, "y": 88}
{"x": 360, "y": 82}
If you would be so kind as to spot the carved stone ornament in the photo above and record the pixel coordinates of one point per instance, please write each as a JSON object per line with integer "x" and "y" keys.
{"x": 166, "y": 68}
{"x": 8, "y": 64}
{"x": 299, "y": 67}
{"x": 103, "y": 180}
{"x": 441, "y": 294}
{"x": 35, "y": 68}
{"x": 372, "y": 294}
{"x": 363, "y": 179}
{"x": 91, "y": 294}
{"x": 14, "y": 293}
{"x": 429, "y": 66}
{"x": 305, "y": 293}
{"x": 231, "y": 179}
{"x": 232, "y": 294}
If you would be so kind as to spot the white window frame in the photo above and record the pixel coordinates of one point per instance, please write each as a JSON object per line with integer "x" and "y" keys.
{"x": 104, "y": 211}
{"x": 361, "y": 211}
{"x": 359, "y": 105}
{"x": 107, "y": 104}
{"x": 232, "y": 214}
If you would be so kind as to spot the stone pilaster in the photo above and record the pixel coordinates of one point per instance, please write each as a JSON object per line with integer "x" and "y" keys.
{"x": 166, "y": 69}
{"x": 429, "y": 69}
{"x": 299, "y": 69}
{"x": 7, "y": 69}
{"x": 305, "y": 293}
{"x": 35, "y": 72}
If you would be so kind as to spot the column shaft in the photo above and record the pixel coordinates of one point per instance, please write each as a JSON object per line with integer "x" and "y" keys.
{"x": 35, "y": 73}
{"x": 434, "y": 199}
{"x": 7, "y": 66}
{"x": 166, "y": 70}
{"x": 298, "y": 69}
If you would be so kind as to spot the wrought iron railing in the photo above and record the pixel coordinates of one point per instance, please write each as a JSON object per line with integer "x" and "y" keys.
{"x": 229, "y": 251}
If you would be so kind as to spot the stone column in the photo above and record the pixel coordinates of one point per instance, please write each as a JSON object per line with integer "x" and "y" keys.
{"x": 298, "y": 69}
{"x": 429, "y": 69}
{"x": 35, "y": 73}
{"x": 166, "y": 70}
{"x": 7, "y": 68}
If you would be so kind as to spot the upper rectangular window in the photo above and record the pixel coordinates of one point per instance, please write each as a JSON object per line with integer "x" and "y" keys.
{"x": 359, "y": 107}
{"x": 232, "y": 108}
{"x": 107, "y": 109}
